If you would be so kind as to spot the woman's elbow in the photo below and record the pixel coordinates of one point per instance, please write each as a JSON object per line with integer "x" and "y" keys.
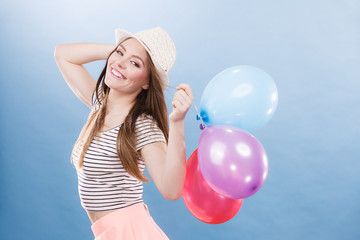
{"x": 172, "y": 196}
{"x": 56, "y": 52}
{"x": 172, "y": 191}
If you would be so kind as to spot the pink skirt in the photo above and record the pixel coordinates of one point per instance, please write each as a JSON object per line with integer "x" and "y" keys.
{"x": 133, "y": 222}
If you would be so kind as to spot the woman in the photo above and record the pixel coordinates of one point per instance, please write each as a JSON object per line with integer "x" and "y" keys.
{"x": 127, "y": 129}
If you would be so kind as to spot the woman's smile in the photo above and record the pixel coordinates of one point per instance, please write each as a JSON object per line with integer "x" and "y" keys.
{"x": 116, "y": 74}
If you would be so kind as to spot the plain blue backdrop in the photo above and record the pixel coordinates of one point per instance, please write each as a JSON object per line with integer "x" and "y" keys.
{"x": 310, "y": 48}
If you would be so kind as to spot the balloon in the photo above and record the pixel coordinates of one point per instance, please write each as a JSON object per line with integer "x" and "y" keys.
{"x": 204, "y": 203}
{"x": 232, "y": 161}
{"x": 241, "y": 96}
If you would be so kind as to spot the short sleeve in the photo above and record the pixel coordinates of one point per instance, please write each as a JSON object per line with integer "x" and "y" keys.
{"x": 147, "y": 132}
{"x": 95, "y": 105}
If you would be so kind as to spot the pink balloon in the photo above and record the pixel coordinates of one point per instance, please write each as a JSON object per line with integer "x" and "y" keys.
{"x": 204, "y": 203}
{"x": 232, "y": 161}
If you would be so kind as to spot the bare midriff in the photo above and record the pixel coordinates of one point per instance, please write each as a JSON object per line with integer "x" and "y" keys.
{"x": 94, "y": 216}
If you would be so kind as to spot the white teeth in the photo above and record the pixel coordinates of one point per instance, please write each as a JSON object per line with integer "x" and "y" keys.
{"x": 116, "y": 74}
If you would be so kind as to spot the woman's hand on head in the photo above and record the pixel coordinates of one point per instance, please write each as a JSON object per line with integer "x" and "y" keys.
{"x": 181, "y": 103}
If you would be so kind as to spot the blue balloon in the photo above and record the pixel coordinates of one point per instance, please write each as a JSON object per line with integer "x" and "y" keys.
{"x": 241, "y": 96}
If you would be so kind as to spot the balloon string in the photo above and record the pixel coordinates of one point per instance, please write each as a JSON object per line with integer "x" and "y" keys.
{"x": 202, "y": 122}
{"x": 197, "y": 111}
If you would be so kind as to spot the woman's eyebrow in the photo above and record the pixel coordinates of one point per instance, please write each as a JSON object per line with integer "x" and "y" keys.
{"x": 139, "y": 59}
{"x": 122, "y": 47}
{"x": 135, "y": 56}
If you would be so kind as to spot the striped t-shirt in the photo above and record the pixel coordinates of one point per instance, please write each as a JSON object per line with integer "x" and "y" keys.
{"x": 103, "y": 183}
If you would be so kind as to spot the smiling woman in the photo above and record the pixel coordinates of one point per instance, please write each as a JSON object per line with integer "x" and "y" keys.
{"x": 127, "y": 130}
{"x": 127, "y": 70}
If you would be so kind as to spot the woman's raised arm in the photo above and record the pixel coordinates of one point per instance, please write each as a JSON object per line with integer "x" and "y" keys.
{"x": 167, "y": 165}
{"x": 70, "y": 58}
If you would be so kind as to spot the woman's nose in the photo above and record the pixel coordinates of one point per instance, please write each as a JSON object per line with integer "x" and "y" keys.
{"x": 121, "y": 62}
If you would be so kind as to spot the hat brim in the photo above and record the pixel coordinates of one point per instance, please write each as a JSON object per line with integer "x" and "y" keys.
{"x": 121, "y": 35}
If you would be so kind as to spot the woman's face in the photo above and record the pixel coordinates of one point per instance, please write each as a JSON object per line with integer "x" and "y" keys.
{"x": 128, "y": 68}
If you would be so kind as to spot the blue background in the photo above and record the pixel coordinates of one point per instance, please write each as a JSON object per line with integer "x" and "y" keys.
{"x": 310, "y": 48}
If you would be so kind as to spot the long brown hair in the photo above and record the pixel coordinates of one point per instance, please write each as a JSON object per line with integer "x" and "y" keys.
{"x": 150, "y": 101}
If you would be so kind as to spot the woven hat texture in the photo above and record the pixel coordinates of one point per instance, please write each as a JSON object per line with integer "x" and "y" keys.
{"x": 159, "y": 46}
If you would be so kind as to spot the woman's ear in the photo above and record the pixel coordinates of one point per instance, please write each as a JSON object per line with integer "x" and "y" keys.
{"x": 146, "y": 86}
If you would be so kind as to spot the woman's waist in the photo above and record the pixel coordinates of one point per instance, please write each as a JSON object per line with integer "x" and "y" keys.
{"x": 97, "y": 215}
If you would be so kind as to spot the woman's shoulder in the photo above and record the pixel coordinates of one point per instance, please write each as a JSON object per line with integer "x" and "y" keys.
{"x": 145, "y": 118}
{"x": 146, "y": 122}
{"x": 147, "y": 131}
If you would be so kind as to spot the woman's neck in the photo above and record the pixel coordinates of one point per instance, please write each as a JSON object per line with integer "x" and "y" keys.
{"x": 118, "y": 103}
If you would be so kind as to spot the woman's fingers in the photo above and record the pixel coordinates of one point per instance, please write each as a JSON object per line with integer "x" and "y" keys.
{"x": 181, "y": 102}
{"x": 176, "y": 104}
{"x": 182, "y": 97}
{"x": 187, "y": 89}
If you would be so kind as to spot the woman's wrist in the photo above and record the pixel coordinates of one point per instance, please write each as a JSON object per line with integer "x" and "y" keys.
{"x": 177, "y": 123}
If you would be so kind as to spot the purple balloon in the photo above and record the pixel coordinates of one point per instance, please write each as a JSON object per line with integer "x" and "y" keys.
{"x": 232, "y": 161}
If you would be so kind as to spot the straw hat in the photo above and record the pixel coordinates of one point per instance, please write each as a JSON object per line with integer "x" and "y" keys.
{"x": 159, "y": 46}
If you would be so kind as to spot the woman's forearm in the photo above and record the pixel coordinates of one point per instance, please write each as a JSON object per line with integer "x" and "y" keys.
{"x": 175, "y": 166}
{"x": 81, "y": 53}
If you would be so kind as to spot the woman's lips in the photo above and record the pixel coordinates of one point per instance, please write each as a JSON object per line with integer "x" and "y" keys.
{"x": 116, "y": 74}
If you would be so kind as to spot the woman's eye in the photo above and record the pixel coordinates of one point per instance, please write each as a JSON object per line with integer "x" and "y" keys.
{"x": 119, "y": 52}
{"x": 135, "y": 63}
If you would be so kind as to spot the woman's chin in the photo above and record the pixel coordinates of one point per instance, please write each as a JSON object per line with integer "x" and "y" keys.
{"x": 111, "y": 84}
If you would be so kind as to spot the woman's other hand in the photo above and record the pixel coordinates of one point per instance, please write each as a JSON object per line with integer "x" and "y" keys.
{"x": 181, "y": 103}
